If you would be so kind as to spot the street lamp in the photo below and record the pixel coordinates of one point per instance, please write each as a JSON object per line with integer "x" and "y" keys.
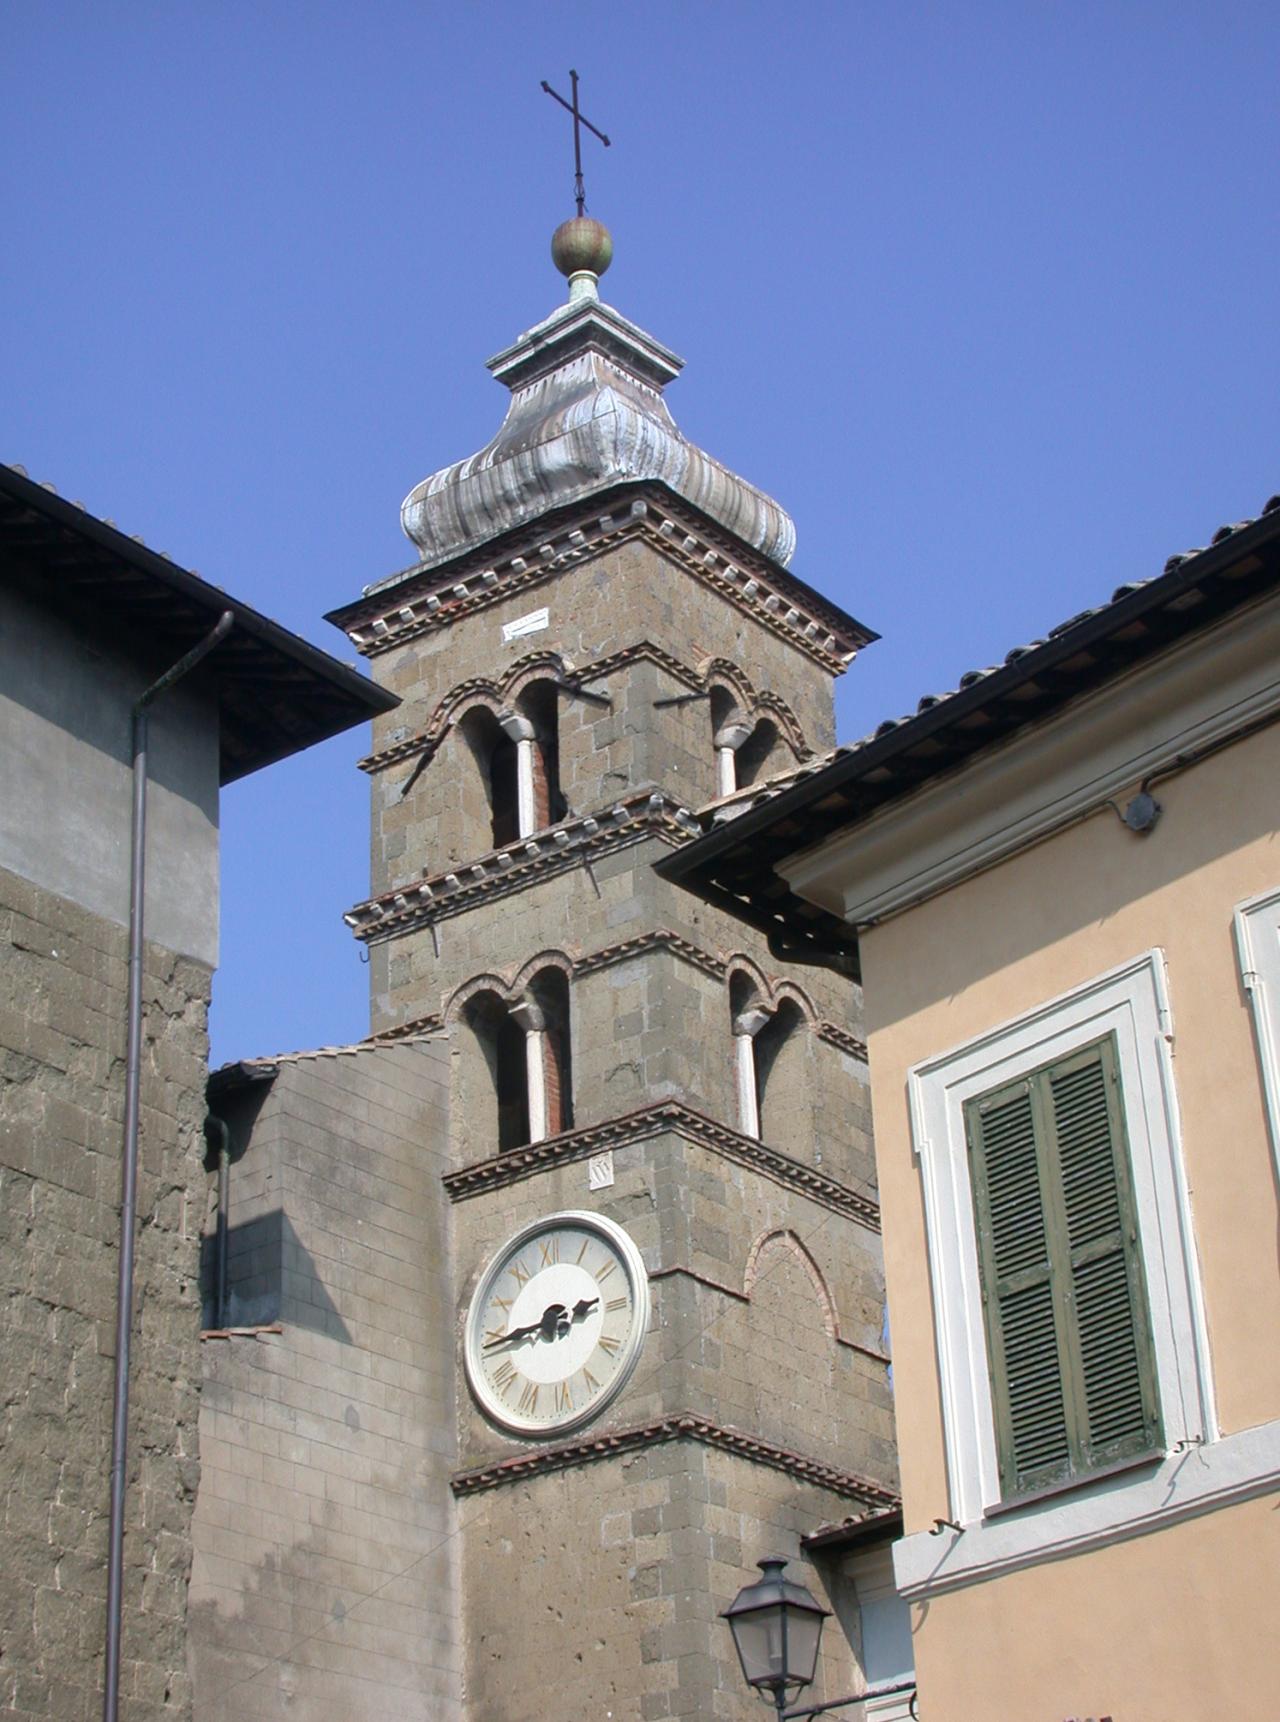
{"x": 776, "y": 1626}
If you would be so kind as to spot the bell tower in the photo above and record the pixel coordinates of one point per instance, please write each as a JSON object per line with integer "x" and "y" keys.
{"x": 661, "y": 1192}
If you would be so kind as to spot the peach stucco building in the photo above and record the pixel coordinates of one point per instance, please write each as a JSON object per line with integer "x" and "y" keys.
{"x": 1062, "y": 885}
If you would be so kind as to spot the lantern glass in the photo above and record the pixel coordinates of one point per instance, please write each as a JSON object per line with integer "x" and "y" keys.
{"x": 776, "y": 1626}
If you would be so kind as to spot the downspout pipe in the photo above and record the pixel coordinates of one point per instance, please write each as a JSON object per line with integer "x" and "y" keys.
{"x": 129, "y": 1159}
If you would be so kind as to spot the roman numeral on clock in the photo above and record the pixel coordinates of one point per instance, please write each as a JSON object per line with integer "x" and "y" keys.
{"x": 564, "y": 1399}
{"x": 608, "y": 1343}
{"x": 550, "y": 1248}
{"x": 616, "y": 1303}
{"x": 529, "y": 1398}
{"x": 520, "y": 1272}
{"x": 503, "y": 1375}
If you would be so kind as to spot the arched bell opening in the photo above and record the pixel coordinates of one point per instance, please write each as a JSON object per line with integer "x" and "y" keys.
{"x": 493, "y": 1076}
{"x": 761, "y": 754}
{"x": 539, "y": 705}
{"x": 493, "y": 818}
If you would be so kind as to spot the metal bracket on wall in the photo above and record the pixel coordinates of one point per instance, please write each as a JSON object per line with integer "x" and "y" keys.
{"x": 683, "y": 699}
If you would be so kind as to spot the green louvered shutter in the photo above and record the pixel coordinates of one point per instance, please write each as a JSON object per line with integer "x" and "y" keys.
{"x": 1113, "y": 1363}
{"x": 1063, "y": 1300}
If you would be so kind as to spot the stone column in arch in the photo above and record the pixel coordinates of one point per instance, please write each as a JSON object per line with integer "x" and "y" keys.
{"x": 521, "y": 732}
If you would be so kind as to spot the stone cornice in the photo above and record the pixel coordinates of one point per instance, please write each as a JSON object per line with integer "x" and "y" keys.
{"x": 665, "y": 1117}
{"x": 834, "y": 1035}
{"x": 681, "y": 1426}
{"x": 422, "y": 602}
{"x": 711, "y": 963}
{"x": 661, "y": 939}
{"x": 572, "y": 843}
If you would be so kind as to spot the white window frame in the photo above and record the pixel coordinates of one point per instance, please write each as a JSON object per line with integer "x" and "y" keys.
{"x": 1258, "y": 950}
{"x": 1131, "y": 1004}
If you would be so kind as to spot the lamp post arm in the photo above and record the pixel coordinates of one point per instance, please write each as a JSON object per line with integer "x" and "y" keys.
{"x": 902, "y": 1686}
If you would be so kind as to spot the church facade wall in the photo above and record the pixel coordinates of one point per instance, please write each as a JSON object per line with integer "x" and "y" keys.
{"x": 63, "y": 984}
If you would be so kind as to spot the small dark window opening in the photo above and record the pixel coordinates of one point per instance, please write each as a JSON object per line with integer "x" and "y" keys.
{"x": 495, "y": 755}
{"x": 502, "y": 1041}
{"x": 760, "y": 754}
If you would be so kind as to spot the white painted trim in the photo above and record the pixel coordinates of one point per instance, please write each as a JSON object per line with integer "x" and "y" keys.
{"x": 1258, "y": 949}
{"x": 726, "y": 771}
{"x": 1130, "y": 1003}
{"x": 1045, "y": 779}
{"x": 1199, "y": 1479}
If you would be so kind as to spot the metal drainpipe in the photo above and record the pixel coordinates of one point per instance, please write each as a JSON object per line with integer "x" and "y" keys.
{"x": 129, "y": 1161}
{"x": 219, "y": 1127}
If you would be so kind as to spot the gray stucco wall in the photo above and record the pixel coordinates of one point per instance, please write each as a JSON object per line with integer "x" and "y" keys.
{"x": 65, "y": 778}
{"x": 326, "y": 1578}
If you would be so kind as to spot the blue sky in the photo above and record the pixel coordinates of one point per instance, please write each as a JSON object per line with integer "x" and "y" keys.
{"x": 985, "y": 295}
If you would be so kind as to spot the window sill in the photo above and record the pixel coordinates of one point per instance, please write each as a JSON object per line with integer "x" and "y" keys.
{"x": 1071, "y": 1485}
{"x": 1124, "y": 1504}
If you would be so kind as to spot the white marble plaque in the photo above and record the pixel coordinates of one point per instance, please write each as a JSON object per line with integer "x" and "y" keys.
{"x": 600, "y": 1170}
{"x": 533, "y": 623}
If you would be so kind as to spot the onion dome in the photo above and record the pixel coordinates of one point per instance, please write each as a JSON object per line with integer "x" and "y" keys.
{"x": 586, "y": 414}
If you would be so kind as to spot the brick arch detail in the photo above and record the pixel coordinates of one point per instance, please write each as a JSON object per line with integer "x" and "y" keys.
{"x": 548, "y": 959}
{"x": 772, "y": 992}
{"x": 495, "y": 693}
{"x": 798, "y": 997}
{"x": 781, "y": 1237}
{"x": 482, "y": 983}
{"x": 755, "y": 705}
{"x": 741, "y": 964}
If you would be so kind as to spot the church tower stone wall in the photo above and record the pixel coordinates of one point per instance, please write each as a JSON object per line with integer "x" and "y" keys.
{"x": 644, "y": 659}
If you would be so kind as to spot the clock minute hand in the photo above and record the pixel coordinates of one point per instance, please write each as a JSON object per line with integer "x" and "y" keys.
{"x": 583, "y": 1308}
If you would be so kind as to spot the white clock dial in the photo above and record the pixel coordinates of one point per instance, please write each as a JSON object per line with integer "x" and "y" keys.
{"x": 556, "y": 1323}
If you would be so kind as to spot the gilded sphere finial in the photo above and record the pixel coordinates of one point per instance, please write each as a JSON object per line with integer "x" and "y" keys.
{"x": 582, "y": 244}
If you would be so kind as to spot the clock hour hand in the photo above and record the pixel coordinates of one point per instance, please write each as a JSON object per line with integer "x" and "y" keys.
{"x": 515, "y": 1334}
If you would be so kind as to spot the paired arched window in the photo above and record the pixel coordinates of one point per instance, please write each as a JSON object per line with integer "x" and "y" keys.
{"x": 748, "y": 748}
{"x": 515, "y": 1074}
{"x": 517, "y": 758}
{"x": 771, "y": 1052}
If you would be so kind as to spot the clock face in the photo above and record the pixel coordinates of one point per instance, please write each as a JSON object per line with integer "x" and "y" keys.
{"x": 556, "y": 1323}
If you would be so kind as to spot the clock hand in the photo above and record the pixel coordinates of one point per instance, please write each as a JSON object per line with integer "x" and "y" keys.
{"x": 552, "y": 1324}
{"x": 515, "y": 1334}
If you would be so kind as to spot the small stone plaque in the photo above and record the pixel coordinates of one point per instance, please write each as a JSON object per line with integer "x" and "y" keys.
{"x": 533, "y": 623}
{"x": 600, "y": 1170}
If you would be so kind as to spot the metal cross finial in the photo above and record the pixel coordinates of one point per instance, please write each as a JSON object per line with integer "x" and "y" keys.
{"x": 579, "y": 120}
